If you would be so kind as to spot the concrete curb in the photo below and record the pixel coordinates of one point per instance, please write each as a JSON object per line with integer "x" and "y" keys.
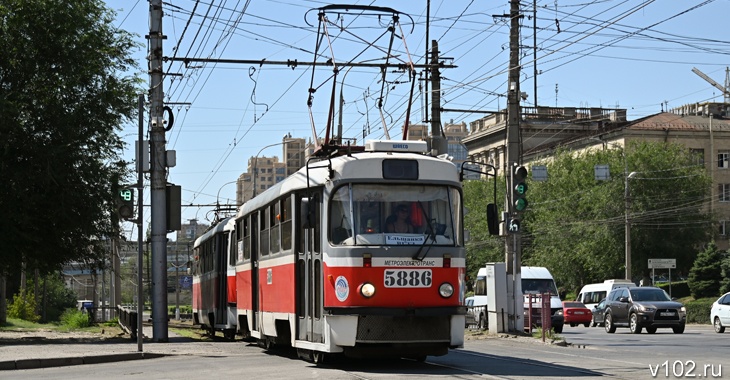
{"x": 61, "y": 362}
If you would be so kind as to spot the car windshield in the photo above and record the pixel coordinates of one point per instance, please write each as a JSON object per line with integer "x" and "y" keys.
{"x": 538, "y": 286}
{"x": 377, "y": 214}
{"x": 649, "y": 295}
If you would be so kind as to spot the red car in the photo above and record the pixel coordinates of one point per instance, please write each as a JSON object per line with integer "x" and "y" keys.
{"x": 575, "y": 313}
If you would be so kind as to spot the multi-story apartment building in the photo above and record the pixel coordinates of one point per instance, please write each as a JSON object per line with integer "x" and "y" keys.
{"x": 264, "y": 172}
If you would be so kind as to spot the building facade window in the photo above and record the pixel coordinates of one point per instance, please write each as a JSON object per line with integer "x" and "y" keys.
{"x": 723, "y": 231}
{"x": 698, "y": 156}
{"x": 724, "y": 192}
{"x": 723, "y": 159}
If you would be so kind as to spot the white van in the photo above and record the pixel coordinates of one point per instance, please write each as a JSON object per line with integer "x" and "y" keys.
{"x": 538, "y": 280}
{"x": 592, "y": 294}
{"x": 535, "y": 280}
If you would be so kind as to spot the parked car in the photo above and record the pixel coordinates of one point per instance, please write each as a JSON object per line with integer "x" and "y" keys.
{"x": 598, "y": 311}
{"x": 576, "y": 313}
{"x": 720, "y": 313}
{"x": 643, "y": 307}
{"x": 476, "y": 311}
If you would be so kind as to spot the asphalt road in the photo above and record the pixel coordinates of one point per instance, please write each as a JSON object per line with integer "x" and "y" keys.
{"x": 591, "y": 353}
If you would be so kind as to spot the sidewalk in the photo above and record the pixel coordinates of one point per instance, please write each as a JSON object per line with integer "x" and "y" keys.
{"x": 40, "y": 349}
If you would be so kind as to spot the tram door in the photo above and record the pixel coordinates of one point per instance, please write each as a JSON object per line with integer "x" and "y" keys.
{"x": 309, "y": 272}
{"x": 255, "y": 272}
{"x": 221, "y": 254}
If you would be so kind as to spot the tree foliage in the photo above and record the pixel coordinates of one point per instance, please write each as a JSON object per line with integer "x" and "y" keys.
{"x": 576, "y": 224}
{"x": 481, "y": 247}
{"x": 65, "y": 90}
{"x": 706, "y": 274}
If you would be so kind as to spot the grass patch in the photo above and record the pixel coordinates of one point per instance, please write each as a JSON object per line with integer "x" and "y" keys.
{"x": 15, "y": 324}
{"x": 200, "y": 334}
{"x": 550, "y": 334}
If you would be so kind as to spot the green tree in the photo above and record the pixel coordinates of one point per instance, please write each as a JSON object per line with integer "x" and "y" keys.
{"x": 575, "y": 223}
{"x": 725, "y": 274}
{"x": 705, "y": 276}
{"x": 54, "y": 297}
{"x": 481, "y": 247}
{"x": 67, "y": 83}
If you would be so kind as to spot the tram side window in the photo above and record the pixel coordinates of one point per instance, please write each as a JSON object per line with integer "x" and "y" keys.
{"x": 196, "y": 261}
{"x": 274, "y": 230}
{"x": 246, "y": 232}
{"x": 286, "y": 223}
{"x": 264, "y": 234}
{"x": 231, "y": 244}
{"x": 340, "y": 223}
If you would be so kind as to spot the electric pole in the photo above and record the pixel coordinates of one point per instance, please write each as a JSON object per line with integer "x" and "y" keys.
{"x": 438, "y": 142}
{"x": 158, "y": 176}
{"x": 513, "y": 242}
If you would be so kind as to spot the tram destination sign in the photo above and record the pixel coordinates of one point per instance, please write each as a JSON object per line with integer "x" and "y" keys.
{"x": 662, "y": 263}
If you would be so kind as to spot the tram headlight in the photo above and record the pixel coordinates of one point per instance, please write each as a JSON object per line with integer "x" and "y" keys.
{"x": 446, "y": 290}
{"x": 367, "y": 290}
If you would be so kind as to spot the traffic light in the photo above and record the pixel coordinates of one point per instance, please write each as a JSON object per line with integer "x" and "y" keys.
{"x": 519, "y": 190}
{"x": 126, "y": 203}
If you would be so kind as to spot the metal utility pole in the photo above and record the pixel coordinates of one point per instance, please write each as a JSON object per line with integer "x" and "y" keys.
{"x": 157, "y": 177}
{"x": 513, "y": 243}
{"x": 439, "y": 144}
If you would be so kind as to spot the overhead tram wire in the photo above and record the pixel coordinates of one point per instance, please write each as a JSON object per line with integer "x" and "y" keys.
{"x": 605, "y": 45}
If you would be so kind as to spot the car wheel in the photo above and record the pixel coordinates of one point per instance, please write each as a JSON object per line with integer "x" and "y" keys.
{"x": 608, "y": 324}
{"x": 586, "y": 324}
{"x": 719, "y": 328}
{"x": 679, "y": 329}
{"x": 594, "y": 324}
{"x": 634, "y": 324}
{"x": 651, "y": 330}
{"x": 572, "y": 325}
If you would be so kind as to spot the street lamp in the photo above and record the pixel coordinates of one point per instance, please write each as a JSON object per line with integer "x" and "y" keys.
{"x": 256, "y": 161}
{"x": 627, "y": 216}
{"x": 628, "y": 219}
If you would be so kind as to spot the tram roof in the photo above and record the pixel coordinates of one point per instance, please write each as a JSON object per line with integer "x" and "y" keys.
{"x": 362, "y": 165}
{"x": 218, "y": 228}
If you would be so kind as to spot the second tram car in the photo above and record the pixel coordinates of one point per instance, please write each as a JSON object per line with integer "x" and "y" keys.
{"x": 319, "y": 266}
{"x": 214, "y": 276}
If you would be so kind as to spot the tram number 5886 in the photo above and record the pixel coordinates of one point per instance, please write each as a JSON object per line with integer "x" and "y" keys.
{"x": 411, "y": 278}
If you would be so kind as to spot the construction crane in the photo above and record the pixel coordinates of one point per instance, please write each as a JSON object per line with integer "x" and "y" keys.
{"x": 725, "y": 89}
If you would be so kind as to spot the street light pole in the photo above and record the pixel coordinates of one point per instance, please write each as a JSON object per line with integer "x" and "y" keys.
{"x": 256, "y": 161}
{"x": 628, "y": 219}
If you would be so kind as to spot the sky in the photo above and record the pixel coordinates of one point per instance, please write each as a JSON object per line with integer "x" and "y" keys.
{"x": 629, "y": 54}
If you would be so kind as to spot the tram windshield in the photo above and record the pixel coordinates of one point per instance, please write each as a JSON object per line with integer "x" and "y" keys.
{"x": 368, "y": 214}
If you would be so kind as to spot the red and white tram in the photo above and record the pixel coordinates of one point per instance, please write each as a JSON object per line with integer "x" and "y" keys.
{"x": 214, "y": 279}
{"x": 316, "y": 268}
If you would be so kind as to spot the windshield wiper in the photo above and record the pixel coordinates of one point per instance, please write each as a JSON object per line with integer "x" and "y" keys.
{"x": 431, "y": 234}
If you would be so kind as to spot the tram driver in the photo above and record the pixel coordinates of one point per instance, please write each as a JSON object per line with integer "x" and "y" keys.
{"x": 399, "y": 222}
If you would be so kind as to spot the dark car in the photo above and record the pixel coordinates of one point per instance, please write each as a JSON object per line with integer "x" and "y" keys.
{"x": 643, "y": 307}
{"x": 598, "y": 311}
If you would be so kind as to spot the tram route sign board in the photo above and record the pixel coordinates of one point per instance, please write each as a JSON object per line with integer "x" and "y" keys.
{"x": 662, "y": 263}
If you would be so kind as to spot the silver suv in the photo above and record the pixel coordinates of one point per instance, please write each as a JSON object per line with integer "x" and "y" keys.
{"x": 643, "y": 307}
